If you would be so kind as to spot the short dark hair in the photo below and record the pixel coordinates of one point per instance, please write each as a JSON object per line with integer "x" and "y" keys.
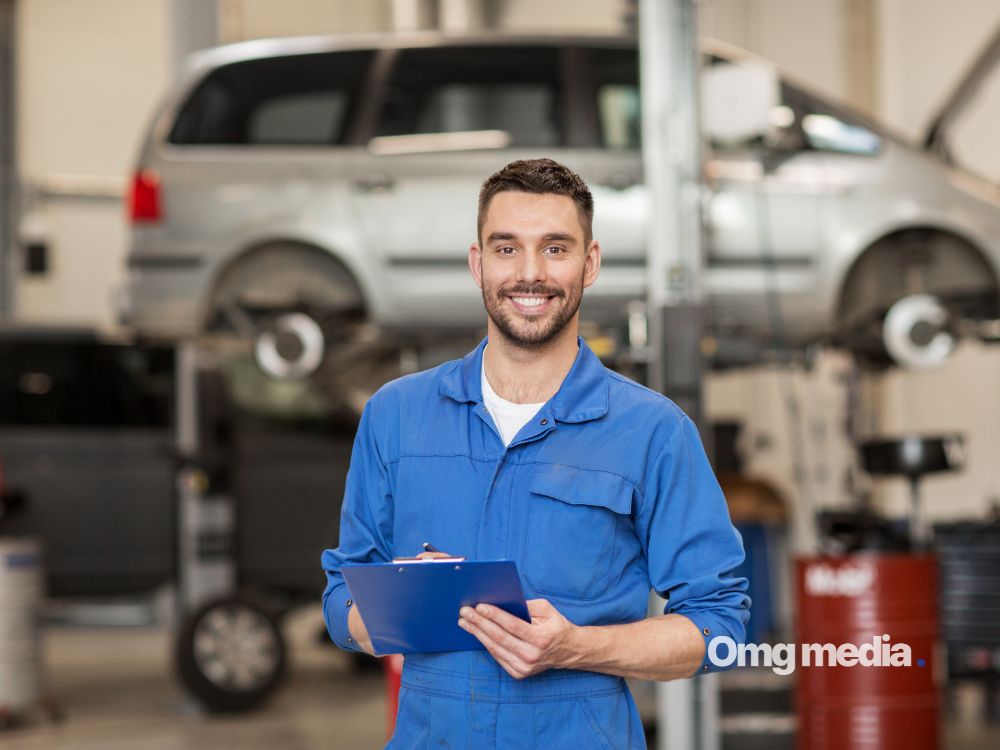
{"x": 540, "y": 176}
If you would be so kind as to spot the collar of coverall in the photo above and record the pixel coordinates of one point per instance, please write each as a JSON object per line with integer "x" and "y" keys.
{"x": 582, "y": 396}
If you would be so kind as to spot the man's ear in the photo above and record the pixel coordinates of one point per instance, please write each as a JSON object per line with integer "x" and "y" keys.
{"x": 476, "y": 263}
{"x": 592, "y": 263}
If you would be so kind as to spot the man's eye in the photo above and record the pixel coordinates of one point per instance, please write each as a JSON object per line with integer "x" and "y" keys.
{"x": 505, "y": 250}
{"x": 553, "y": 249}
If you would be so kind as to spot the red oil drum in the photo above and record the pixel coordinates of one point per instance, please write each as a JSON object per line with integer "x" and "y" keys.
{"x": 877, "y": 704}
{"x": 393, "y": 667}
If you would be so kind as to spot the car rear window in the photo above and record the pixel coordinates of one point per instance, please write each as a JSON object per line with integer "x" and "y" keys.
{"x": 302, "y": 100}
{"x": 459, "y": 89}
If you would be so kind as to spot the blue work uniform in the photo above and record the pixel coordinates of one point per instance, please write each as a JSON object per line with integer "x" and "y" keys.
{"x": 605, "y": 494}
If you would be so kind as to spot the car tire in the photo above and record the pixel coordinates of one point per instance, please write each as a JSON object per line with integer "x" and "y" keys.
{"x": 915, "y": 332}
{"x": 894, "y": 275}
{"x": 290, "y": 346}
{"x": 230, "y": 655}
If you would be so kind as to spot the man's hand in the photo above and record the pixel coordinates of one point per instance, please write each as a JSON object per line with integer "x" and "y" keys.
{"x": 664, "y": 647}
{"x": 524, "y": 649}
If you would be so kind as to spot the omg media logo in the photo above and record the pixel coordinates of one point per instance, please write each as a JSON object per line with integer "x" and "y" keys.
{"x": 784, "y": 658}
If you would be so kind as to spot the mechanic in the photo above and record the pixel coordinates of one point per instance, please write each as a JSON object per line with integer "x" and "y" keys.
{"x": 529, "y": 449}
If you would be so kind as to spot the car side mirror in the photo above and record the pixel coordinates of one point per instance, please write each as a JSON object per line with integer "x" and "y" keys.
{"x": 737, "y": 101}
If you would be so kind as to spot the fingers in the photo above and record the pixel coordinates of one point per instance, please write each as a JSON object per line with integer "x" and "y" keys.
{"x": 521, "y": 648}
{"x": 513, "y": 633}
{"x": 505, "y": 620}
{"x": 509, "y": 661}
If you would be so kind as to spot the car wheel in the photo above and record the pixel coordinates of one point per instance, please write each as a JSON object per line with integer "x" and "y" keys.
{"x": 230, "y": 655}
{"x": 900, "y": 294}
{"x": 915, "y": 333}
{"x": 290, "y": 346}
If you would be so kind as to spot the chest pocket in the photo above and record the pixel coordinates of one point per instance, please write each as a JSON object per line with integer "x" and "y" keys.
{"x": 575, "y": 519}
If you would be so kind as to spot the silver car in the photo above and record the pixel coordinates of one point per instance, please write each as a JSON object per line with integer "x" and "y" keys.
{"x": 304, "y": 185}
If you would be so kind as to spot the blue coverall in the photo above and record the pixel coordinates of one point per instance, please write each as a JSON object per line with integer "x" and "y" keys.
{"x": 604, "y": 495}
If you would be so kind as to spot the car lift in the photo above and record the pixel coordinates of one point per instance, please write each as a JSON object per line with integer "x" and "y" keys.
{"x": 205, "y": 512}
{"x": 687, "y": 710}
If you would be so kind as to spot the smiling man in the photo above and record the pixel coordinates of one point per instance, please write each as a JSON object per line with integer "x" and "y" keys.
{"x": 529, "y": 449}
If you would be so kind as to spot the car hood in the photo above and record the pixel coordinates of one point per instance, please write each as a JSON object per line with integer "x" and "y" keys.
{"x": 937, "y": 134}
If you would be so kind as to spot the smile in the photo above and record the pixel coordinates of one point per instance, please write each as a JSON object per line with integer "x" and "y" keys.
{"x": 530, "y": 305}
{"x": 529, "y": 301}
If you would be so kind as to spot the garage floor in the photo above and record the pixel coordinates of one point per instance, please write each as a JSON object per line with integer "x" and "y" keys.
{"x": 116, "y": 690}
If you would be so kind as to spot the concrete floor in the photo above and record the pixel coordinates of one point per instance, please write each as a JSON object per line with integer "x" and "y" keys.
{"x": 116, "y": 689}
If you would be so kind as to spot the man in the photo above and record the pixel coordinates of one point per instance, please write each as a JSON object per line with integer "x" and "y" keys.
{"x": 529, "y": 449}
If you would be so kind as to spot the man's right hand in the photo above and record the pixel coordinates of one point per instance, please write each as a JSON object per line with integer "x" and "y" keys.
{"x": 358, "y": 631}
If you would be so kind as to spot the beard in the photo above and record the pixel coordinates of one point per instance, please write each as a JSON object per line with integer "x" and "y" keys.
{"x": 532, "y": 333}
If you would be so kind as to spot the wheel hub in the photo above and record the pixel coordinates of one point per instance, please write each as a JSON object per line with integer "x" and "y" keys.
{"x": 914, "y": 332}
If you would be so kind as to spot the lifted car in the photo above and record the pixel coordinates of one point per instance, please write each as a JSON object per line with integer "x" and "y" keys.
{"x": 305, "y": 190}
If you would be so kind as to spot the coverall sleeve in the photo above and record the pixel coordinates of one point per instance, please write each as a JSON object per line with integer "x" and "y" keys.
{"x": 692, "y": 547}
{"x": 365, "y": 524}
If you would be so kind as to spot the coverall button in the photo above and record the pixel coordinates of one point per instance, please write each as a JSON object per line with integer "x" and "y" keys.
{"x": 545, "y": 421}
{"x": 349, "y": 602}
{"x": 706, "y": 631}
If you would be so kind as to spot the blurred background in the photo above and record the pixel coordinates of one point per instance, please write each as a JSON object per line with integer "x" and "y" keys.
{"x": 225, "y": 223}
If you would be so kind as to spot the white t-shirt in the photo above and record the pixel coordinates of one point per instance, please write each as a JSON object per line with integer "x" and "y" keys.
{"x": 508, "y": 416}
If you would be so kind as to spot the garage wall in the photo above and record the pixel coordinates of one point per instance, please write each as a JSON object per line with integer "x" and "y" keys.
{"x": 926, "y": 46}
{"x": 960, "y": 397}
{"x": 249, "y": 19}
{"x": 804, "y": 37}
{"x": 794, "y": 433}
{"x": 585, "y": 16}
{"x": 89, "y": 75}
{"x": 252, "y": 19}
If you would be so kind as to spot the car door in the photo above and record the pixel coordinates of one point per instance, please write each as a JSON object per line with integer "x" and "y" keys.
{"x": 445, "y": 119}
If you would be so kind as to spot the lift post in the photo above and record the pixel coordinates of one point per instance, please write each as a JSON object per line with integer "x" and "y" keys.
{"x": 8, "y": 161}
{"x": 206, "y": 516}
{"x": 687, "y": 710}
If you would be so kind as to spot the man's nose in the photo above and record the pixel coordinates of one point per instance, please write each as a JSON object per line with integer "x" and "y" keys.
{"x": 531, "y": 267}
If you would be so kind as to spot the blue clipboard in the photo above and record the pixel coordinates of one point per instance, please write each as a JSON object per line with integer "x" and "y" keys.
{"x": 412, "y": 607}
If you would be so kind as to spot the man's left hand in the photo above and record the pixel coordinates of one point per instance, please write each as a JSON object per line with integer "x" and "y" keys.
{"x": 524, "y": 649}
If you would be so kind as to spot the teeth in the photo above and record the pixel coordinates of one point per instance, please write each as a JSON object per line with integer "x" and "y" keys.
{"x": 529, "y": 301}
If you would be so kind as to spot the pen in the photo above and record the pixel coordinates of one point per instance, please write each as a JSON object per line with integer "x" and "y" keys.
{"x": 428, "y": 547}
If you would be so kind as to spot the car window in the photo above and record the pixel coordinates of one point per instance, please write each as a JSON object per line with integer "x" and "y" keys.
{"x": 292, "y": 100}
{"x": 458, "y": 89}
{"x": 799, "y": 122}
{"x": 298, "y": 118}
{"x": 823, "y": 126}
{"x": 616, "y": 89}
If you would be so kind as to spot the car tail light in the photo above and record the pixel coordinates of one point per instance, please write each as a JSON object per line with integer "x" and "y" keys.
{"x": 144, "y": 203}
